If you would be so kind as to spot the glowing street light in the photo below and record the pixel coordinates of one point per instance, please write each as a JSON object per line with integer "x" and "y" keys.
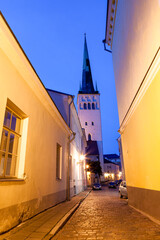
{"x": 82, "y": 157}
{"x": 87, "y": 166}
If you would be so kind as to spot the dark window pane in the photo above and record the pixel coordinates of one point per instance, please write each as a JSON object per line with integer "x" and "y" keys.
{"x": 11, "y": 165}
{"x": 86, "y": 123}
{"x": 4, "y": 140}
{"x": 89, "y": 137}
{"x": 93, "y": 106}
{"x": 92, "y": 123}
{"x": 89, "y": 106}
{"x": 85, "y": 106}
{"x": 11, "y": 142}
{"x": 7, "y": 118}
{"x": 18, "y": 121}
{"x": 13, "y": 123}
{"x": 2, "y": 158}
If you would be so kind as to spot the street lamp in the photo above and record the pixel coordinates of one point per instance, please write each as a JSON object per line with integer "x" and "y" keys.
{"x": 82, "y": 157}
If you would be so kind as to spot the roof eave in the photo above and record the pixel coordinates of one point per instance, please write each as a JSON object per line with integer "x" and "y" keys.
{"x": 110, "y": 21}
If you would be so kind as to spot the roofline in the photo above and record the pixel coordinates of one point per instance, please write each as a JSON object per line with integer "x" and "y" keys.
{"x": 110, "y": 21}
{"x": 67, "y": 94}
{"x": 30, "y": 64}
{"x": 89, "y": 93}
{"x": 109, "y": 162}
{"x": 106, "y": 20}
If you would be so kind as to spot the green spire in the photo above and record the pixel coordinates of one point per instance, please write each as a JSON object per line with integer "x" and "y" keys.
{"x": 87, "y": 83}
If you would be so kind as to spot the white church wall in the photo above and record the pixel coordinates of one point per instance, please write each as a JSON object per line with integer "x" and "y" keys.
{"x": 90, "y": 118}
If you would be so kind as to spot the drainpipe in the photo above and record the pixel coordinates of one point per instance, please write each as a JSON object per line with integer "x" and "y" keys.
{"x": 70, "y": 139}
{"x": 69, "y": 120}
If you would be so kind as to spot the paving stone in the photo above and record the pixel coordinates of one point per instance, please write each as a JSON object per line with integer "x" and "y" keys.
{"x": 103, "y": 215}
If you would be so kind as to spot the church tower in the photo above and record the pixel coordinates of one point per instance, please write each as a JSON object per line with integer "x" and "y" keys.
{"x": 89, "y": 110}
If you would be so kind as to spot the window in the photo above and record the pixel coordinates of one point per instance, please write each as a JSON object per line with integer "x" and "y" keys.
{"x": 89, "y": 106}
{"x": 80, "y": 106}
{"x": 9, "y": 144}
{"x": 89, "y": 137}
{"x": 92, "y": 123}
{"x": 86, "y": 123}
{"x": 59, "y": 162}
{"x": 85, "y": 106}
{"x": 93, "y": 106}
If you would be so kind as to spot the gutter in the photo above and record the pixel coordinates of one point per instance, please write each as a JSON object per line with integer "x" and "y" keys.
{"x": 70, "y": 139}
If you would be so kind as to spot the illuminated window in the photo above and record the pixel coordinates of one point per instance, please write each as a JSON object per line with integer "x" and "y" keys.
{"x": 9, "y": 144}
{"x": 85, "y": 106}
{"x": 89, "y": 137}
{"x": 89, "y": 106}
{"x": 93, "y": 106}
{"x": 59, "y": 162}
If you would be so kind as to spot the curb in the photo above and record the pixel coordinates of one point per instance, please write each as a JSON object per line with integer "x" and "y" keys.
{"x": 64, "y": 219}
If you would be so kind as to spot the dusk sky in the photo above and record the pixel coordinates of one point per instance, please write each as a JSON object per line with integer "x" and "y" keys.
{"x": 51, "y": 33}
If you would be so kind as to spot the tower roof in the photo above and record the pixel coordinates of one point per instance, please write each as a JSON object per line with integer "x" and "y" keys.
{"x": 87, "y": 83}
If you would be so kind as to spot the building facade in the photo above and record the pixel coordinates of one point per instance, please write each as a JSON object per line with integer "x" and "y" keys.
{"x": 34, "y": 139}
{"x": 111, "y": 171}
{"x": 133, "y": 33}
{"x": 88, "y": 101}
{"x": 77, "y": 173}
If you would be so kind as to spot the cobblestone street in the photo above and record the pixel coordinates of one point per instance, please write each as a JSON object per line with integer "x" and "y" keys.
{"x": 103, "y": 215}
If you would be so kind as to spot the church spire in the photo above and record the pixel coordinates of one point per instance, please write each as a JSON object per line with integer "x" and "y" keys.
{"x": 87, "y": 83}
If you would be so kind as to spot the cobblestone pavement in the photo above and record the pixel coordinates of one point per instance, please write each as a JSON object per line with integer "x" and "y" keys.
{"x": 103, "y": 215}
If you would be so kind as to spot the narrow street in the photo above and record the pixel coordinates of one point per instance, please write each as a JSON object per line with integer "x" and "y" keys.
{"x": 103, "y": 215}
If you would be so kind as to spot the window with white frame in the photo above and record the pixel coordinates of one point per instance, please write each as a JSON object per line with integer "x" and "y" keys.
{"x": 59, "y": 162}
{"x": 9, "y": 144}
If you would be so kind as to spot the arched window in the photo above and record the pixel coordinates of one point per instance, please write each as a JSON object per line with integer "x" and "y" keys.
{"x": 93, "y": 106}
{"x": 89, "y": 106}
{"x": 89, "y": 137}
{"x": 85, "y": 106}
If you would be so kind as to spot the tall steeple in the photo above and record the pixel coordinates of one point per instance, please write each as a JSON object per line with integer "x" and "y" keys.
{"x": 87, "y": 83}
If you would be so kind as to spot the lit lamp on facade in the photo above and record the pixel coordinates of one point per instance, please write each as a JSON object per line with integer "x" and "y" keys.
{"x": 82, "y": 157}
{"x": 87, "y": 166}
{"x": 106, "y": 175}
{"x": 120, "y": 175}
{"x": 112, "y": 175}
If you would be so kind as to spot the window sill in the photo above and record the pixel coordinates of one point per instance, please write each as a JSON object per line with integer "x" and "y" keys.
{"x": 12, "y": 179}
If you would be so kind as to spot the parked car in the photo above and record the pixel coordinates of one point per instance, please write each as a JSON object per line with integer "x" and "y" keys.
{"x": 96, "y": 186}
{"x": 123, "y": 190}
{"x": 118, "y": 182}
{"x": 112, "y": 184}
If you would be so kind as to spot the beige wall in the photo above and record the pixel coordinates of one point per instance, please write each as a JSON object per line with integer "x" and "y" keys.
{"x": 78, "y": 180}
{"x": 141, "y": 139}
{"x": 135, "y": 43}
{"x": 43, "y": 130}
{"x": 136, "y": 60}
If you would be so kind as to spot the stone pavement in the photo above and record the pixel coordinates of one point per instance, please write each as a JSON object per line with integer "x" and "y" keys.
{"x": 103, "y": 215}
{"x": 40, "y": 226}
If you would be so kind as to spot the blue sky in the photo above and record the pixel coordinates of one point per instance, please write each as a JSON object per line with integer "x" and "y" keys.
{"x": 51, "y": 33}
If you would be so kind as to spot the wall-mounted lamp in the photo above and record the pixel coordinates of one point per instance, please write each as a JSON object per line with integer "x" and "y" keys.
{"x": 82, "y": 157}
{"x": 105, "y": 48}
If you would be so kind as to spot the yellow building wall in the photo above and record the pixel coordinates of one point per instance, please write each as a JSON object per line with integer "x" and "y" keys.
{"x": 141, "y": 141}
{"x": 39, "y": 189}
{"x": 135, "y": 43}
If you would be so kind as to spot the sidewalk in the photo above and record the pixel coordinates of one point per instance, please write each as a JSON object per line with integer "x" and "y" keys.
{"x": 47, "y": 223}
